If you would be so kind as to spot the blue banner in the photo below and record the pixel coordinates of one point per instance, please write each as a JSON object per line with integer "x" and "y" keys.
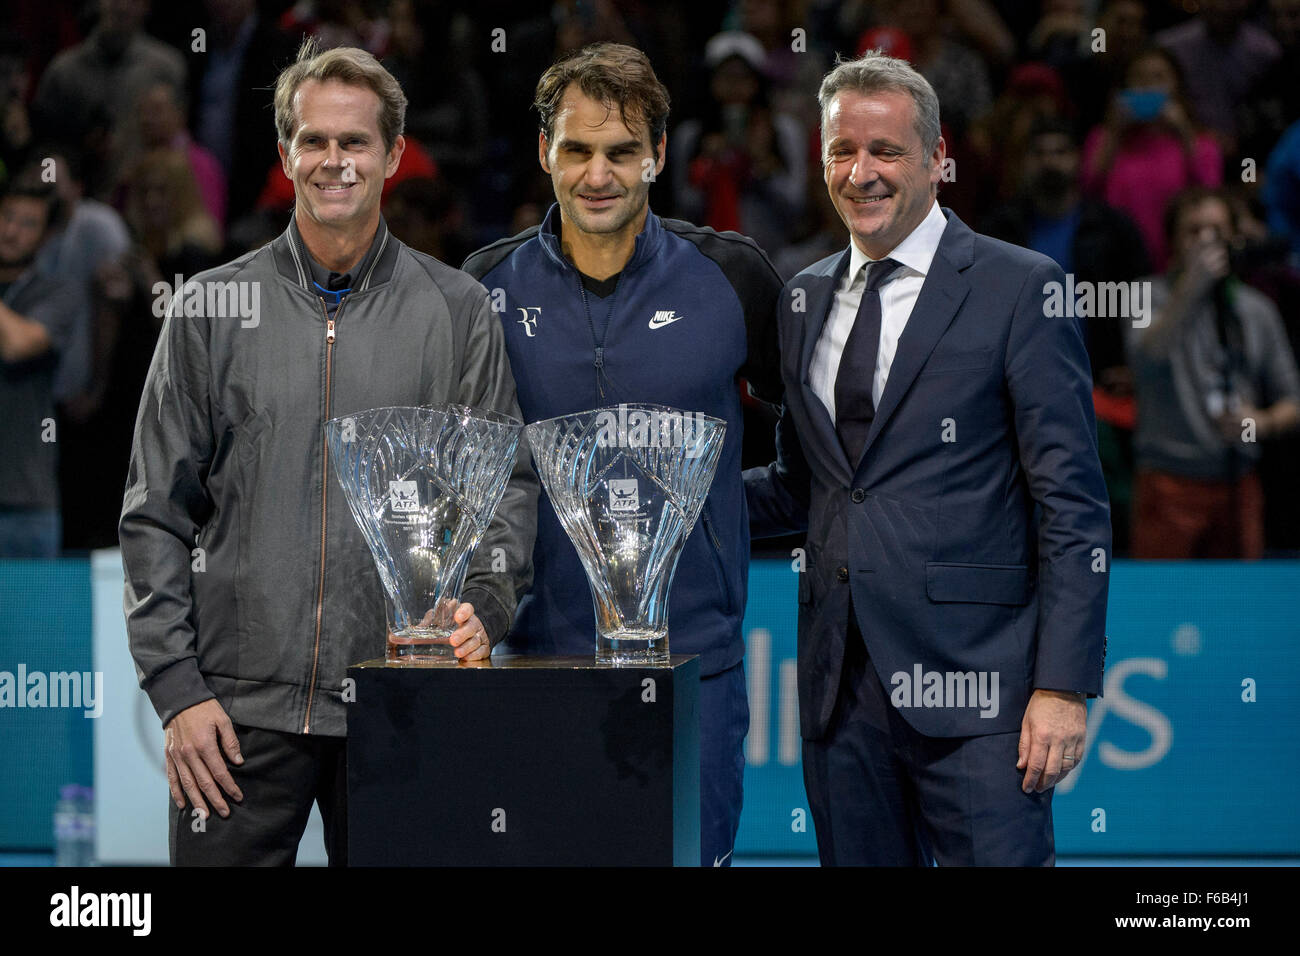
{"x": 45, "y": 739}
{"x": 1191, "y": 749}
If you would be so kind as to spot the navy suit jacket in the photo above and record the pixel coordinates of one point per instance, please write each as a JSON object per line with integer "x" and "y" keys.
{"x": 974, "y": 533}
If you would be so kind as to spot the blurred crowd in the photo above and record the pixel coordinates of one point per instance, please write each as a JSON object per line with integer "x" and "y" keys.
{"x": 1129, "y": 141}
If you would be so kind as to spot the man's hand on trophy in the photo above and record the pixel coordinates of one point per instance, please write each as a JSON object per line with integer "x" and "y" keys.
{"x": 194, "y": 762}
{"x": 470, "y": 640}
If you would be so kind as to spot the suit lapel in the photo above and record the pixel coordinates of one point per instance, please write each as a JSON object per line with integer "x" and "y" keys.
{"x": 942, "y": 294}
{"x": 821, "y": 299}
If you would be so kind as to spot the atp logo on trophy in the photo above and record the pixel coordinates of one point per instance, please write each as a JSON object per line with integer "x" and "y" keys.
{"x": 627, "y": 484}
{"x": 422, "y": 484}
{"x": 403, "y": 497}
{"x": 623, "y": 497}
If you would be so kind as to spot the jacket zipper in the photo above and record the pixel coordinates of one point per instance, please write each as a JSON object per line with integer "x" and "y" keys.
{"x": 717, "y": 557}
{"x": 598, "y": 343}
{"x": 324, "y": 498}
{"x": 708, "y": 526}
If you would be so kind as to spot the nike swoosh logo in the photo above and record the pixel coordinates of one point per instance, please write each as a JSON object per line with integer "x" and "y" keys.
{"x": 658, "y": 323}
{"x": 717, "y": 861}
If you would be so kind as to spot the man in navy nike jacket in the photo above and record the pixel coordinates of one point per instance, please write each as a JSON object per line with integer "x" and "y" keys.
{"x": 607, "y": 303}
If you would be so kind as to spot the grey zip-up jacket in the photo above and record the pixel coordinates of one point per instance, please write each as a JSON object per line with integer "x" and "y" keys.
{"x": 247, "y": 578}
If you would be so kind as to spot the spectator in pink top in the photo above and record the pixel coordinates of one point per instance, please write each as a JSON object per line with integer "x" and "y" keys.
{"x": 162, "y": 126}
{"x": 1149, "y": 148}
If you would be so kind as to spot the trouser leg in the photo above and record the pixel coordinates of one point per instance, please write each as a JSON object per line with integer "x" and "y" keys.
{"x": 970, "y": 805}
{"x": 332, "y": 798}
{"x": 858, "y": 790}
{"x": 278, "y": 779}
{"x": 724, "y": 722}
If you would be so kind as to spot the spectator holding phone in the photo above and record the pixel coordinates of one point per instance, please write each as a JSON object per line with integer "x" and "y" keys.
{"x": 1214, "y": 376}
{"x": 1149, "y": 148}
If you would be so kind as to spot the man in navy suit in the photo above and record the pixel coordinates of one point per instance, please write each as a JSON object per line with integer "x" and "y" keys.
{"x": 938, "y": 445}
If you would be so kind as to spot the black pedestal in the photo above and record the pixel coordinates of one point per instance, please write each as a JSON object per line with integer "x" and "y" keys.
{"x": 531, "y": 761}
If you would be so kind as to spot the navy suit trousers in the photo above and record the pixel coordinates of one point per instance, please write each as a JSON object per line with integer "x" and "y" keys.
{"x": 882, "y": 794}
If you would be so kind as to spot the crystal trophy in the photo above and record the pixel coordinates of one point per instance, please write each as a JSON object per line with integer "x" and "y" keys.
{"x": 422, "y": 484}
{"x": 627, "y": 484}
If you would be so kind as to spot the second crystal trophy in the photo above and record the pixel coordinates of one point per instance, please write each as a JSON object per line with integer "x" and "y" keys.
{"x": 627, "y": 484}
{"x": 423, "y": 484}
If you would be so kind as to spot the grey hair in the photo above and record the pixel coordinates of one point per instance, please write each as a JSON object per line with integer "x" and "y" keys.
{"x": 876, "y": 72}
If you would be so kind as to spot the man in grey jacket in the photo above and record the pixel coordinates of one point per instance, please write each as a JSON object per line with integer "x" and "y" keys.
{"x": 249, "y": 588}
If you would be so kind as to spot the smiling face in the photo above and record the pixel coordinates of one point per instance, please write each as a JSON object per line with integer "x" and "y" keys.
{"x": 877, "y": 172}
{"x": 598, "y": 166}
{"x": 336, "y": 157}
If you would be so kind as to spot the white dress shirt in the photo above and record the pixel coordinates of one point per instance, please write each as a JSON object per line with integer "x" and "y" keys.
{"x": 897, "y": 297}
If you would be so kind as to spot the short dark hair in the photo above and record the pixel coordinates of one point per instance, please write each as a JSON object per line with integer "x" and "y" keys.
{"x": 45, "y": 193}
{"x": 611, "y": 73}
{"x": 1192, "y": 196}
{"x": 1052, "y": 125}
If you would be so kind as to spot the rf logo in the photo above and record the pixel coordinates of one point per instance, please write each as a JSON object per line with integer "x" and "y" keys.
{"x": 529, "y": 319}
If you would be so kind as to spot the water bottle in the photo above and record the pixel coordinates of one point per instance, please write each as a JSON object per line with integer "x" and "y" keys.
{"x": 66, "y": 824}
{"x": 86, "y": 826}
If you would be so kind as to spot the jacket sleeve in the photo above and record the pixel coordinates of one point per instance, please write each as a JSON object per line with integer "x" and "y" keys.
{"x": 486, "y": 382}
{"x": 165, "y": 505}
{"x": 777, "y": 495}
{"x": 760, "y": 296}
{"x": 1050, "y": 387}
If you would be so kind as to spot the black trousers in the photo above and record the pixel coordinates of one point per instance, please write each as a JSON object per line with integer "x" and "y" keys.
{"x": 282, "y": 775}
{"x": 882, "y": 794}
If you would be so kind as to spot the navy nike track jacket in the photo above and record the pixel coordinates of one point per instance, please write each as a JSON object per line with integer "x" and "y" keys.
{"x": 693, "y": 311}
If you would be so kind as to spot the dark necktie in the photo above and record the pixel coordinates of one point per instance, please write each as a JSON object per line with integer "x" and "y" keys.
{"x": 854, "y": 409}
